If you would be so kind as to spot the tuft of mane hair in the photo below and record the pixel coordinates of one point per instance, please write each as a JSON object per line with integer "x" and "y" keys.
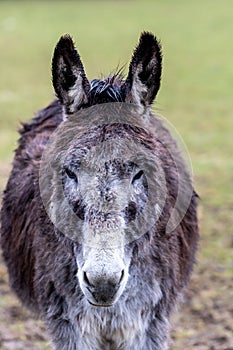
{"x": 107, "y": 89}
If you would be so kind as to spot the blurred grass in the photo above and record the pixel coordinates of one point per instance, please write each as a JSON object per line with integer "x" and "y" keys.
{"x": 196, "y": 93}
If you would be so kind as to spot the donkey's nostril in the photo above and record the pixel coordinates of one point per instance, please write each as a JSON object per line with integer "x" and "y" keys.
{"x": 86, "y": 280}
{"x": 96, "y": 281}
{"x": 122, "y": 276}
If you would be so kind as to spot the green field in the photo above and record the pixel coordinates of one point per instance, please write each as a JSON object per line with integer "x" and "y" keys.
{"x": 196, "y": 97}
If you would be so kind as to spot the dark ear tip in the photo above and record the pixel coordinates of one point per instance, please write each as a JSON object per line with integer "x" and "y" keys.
{"x": 65, "y": 42}
{"x": 149, "y": 39}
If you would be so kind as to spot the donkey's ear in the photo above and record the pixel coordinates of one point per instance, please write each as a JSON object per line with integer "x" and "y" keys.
{"x": 143, "y": 80}
{"x": 69, "y": 79}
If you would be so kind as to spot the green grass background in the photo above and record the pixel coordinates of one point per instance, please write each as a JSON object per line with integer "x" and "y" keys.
{"x": 196, "y": 93}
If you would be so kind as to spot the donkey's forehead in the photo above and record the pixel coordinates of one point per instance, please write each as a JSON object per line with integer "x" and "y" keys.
{"x": 119, "y": 167}
{"x": 101, "y": 167}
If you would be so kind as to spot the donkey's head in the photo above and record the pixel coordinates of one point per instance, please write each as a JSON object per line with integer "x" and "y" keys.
{"x": 106, "y": 193}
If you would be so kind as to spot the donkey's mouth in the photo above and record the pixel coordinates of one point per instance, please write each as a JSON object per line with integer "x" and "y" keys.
{"x": 102, "y": 298}
{"x": 100, "y": 304}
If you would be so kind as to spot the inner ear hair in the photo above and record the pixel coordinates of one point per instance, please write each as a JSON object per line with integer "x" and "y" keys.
{"x": 69, "y": 79}
{"x": 143, "y": 81}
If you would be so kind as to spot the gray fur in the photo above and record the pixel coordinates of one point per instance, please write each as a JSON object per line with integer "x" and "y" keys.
{"x": 71, "y": 250}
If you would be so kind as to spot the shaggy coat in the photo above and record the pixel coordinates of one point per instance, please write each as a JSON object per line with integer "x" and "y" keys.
{"x": 77, "y": 295}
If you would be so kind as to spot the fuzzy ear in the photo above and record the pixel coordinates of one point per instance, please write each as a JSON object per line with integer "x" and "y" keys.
{"x": 143, "y": 80}
{"x": 69, "y": 79}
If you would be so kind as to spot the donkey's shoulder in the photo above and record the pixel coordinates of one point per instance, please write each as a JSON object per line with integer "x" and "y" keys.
{"x": 47, "y": 118}
{"x": 35, "y": 133}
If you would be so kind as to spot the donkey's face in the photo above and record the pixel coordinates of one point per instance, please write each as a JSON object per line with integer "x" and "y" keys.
{"x": 106, "y": 198}
{"x": 107, "y": 195}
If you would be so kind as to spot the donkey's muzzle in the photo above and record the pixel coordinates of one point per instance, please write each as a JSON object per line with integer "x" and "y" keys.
{"x": 102, "y": 290}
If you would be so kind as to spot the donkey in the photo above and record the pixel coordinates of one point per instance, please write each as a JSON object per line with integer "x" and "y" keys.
{"x": 82, "y": 248}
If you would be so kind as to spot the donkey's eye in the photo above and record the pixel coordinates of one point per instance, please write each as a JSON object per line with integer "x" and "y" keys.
{"x": 137, "y": 176}
{"x": 71, "y": 174}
